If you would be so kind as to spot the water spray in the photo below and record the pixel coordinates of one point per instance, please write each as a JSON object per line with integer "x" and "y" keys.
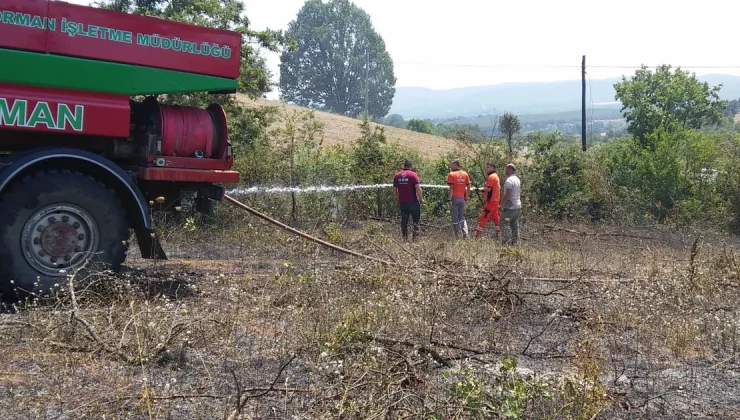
{"x": 317, "y": 189}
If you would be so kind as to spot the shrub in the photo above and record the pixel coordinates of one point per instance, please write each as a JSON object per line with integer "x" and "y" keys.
{"x": 420, "y": 126}
{"x": 666, "y": 174}
{"x": 558, "y": 176}
{"x": 728, "y": 180}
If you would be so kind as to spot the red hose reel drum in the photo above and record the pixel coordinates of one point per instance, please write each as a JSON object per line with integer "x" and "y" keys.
{"x": 192, "y": 132}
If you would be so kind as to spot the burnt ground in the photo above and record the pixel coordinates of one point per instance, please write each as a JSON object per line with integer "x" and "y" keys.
{"x": 254, "y": 323}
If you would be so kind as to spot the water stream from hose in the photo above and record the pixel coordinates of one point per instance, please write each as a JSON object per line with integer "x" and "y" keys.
{"x": 316, "y": 189}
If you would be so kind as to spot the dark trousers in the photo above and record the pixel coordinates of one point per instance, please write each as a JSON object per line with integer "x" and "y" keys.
{"x": 413, "y": 210}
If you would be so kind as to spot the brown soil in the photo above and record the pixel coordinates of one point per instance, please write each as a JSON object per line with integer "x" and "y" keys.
{"x": 260, "y": 324}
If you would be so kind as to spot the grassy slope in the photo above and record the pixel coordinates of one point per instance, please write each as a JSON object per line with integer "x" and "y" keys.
{"x": 344, "y": 130}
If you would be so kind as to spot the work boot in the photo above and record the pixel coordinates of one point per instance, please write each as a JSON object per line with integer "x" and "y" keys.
{"x": 465, "y": 231}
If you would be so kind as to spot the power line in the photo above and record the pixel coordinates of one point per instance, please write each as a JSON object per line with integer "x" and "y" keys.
{"x": 418, "y": 63}
{"x": 672, "y": 66}
{"x": 549, "y": 66}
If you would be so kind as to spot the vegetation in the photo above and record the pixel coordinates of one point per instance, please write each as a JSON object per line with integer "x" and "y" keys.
{"x": 251, "y": 322}
{"x": 338, "y": 130}
{"x": 420, "y": 126}
{"x": 669, "y": 100}
{"x": 509, "y": 125}
{"x": 595, "y": 316}
{"x": 607, "y": 121}
{"x": 732, "y": 108}
{"x": 341, "y": 63}
{"x": 674, "y": 174}
{"x": 394, "y": 120}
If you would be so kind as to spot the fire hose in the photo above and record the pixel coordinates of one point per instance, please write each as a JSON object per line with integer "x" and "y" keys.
{"x": 303, "y": 234}
{"x": 377, "y": 260}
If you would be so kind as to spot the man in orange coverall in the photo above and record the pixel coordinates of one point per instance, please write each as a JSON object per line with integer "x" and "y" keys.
{"x": 492, "y": 194}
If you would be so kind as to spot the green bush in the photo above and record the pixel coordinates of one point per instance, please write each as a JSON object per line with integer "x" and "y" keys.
{"x": 558, "y": 176}
{"x": 667, "y": 174}
{"x": 420, "y": 126}
{"x": 679, "y": 177}
{"x": 728, "y": 180}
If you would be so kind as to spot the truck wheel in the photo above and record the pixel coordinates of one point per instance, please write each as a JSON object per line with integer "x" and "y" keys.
{"x": 51, "y": 224}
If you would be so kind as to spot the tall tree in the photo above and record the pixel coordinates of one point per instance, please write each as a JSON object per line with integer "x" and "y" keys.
{"x": 668, "y": 99}
{"x": 394, "y": 120}
{"x": 340, "y": 63}
{"x": 732, "y": 108}
{"x": 509, "y": 125}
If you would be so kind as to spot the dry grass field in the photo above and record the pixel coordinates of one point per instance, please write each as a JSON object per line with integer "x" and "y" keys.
{"x": 253, "y": 322}
{"x": 345, "y": 130}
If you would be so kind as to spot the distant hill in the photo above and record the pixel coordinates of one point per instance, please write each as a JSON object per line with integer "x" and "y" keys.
{"x": 523, "y": 98}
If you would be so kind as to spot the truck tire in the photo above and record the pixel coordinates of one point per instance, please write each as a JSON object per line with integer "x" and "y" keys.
{"x": 54, "y": 222}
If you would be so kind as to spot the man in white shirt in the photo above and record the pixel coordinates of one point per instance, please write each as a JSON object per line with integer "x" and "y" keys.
{"x": 512, "y": 203}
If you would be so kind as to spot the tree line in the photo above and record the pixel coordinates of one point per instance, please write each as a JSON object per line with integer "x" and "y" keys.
{"x": 677, "y": 163}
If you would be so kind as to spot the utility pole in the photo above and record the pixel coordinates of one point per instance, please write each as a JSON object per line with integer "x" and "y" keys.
{"x": 583, "y": 103}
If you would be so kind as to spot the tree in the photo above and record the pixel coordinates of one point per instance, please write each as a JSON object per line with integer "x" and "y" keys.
{"x": 558, "y": 175}
{"x": 299, "y": 144}
{"x": 509, "y": 125}
{"x": 732, "y": 108}
{"x": 370, "y": 160}
{"x": 395, "y": 120}
{"x": 340, "y": 63}
{"x": 667, "y": 99}
{"x": 420, "y": 126}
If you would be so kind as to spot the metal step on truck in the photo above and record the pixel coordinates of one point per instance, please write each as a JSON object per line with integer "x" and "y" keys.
{"x": 80, "y": 161}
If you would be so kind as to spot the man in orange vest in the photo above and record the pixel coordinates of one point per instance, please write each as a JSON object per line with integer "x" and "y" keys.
{"x": 492, "y": 194}
{"x": 459, "y": 182}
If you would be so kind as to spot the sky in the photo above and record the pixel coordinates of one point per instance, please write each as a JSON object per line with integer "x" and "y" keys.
{"x": 448, "y": 44}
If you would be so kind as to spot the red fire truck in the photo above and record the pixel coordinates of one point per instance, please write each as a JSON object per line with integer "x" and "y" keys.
{"x": 80, "y": 161}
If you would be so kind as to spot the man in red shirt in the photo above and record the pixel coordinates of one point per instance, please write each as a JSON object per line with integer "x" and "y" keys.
{"x": 407, "y": 190}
